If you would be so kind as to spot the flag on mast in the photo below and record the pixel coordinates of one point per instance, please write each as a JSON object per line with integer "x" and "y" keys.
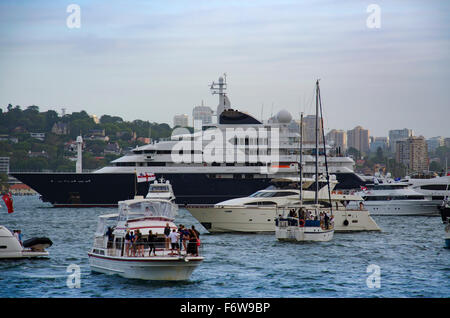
{"x": 145, "y": 177}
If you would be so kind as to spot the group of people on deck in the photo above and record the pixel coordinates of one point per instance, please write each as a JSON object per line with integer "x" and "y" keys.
{"x": 325, "y": 220}
{"x": 180, "y": 238}
{"x": 175, "y": 240}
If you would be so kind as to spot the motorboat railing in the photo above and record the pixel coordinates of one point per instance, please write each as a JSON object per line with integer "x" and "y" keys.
{"x": 297, "y": 221}
{"x": 119, "y": 248}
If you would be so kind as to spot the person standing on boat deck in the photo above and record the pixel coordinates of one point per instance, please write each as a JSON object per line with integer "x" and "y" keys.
{"x": 174, "y": 237}
{"x": 127, "y": 243}
{"x": 192, "y": 243}
{"x": 17, "y": 235}
{"x": 133, "y": 243}
{"x": 326, "y": 219}
{"x": 193, "y": 239}
{"x": 20, "y": 237}
{"x": 151, "y": 243}
{"x": 109, "y": 234}
{"x": 139, "y": 243}
{"x": 197, "y": 233}
{"x": 180, "y": 232}
{"x": 185, "y": 238}
{"x": 166, "y": 235}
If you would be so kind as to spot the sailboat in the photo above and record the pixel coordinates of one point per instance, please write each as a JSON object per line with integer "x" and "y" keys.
{"x": 303, "y": 223}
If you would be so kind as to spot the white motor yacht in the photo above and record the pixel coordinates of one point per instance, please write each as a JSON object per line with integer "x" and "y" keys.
{"x": 10, "y": 247}
{"x": 257, "y": 212}
{"x": 396, "y": 198}
{"x": 161, "y": 190}
{"x": 438, "y": 188}
{"x": 113, "y": 254}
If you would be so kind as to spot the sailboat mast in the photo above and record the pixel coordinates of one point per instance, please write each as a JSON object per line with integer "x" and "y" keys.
{"x": 300, "y": 164}
{"x": 325, "y": 154}
{"x": 316, "y": 198}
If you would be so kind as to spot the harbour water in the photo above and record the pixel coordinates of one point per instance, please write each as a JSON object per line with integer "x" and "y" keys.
{"x": 409, "y": 253}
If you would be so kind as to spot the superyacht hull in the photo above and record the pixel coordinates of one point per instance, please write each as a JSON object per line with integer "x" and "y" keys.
{"x": 106, "y": 189}
{"x": 84, "y": 189}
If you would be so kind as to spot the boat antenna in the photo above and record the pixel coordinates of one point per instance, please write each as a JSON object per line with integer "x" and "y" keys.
{"x": 325, "y": 152}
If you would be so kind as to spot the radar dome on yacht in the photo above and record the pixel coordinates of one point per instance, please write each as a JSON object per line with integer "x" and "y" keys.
{"x": 284, "y": 116}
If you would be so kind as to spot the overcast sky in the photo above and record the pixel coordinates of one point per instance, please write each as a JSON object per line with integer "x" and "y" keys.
{"x": 151, "y": 60}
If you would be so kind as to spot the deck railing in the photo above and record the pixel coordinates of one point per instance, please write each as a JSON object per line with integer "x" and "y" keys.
{"x": 121, "y": 249}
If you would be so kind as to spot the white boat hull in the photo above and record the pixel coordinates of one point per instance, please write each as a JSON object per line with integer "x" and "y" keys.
{"x": 238, "y": 219}
{"x": 402, "y": 207}
{"x": 22, "y": 254}
{"x": 11, "y": 248}
{"x": 146, "y": 268}
{"x": 303, "y": 234}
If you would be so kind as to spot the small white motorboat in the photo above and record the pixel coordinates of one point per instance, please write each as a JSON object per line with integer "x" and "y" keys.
{"x": 161, "y": 190}
{"x": 10, "y": 247}
{"x": 113, "y": 254}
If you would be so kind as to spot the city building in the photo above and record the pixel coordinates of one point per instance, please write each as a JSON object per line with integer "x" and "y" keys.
{"x": 181, "y": 120}
{"x": 4, "y": 165}
{"x": 39, "y": 136}
{"x": 309, "y": 129}
{"x": 145, "y": 140}
{"x": 203, "y": 114}
{"x": 447, "y": 142}
{"x": 379, "y": 142}
{"x": 434, "y": 143}
{"x": 398, "y": 134}
{"x": 14, "y": 140}
{"x": 21, "y": 189}
{"x": 358, "y": 138}
{"x": 413, "y": 153}
{"x": 112, "y": 148}
{"x": 60, "y": 128}
{"x": 95, "y": 119}
{"x": 337, "y": 139}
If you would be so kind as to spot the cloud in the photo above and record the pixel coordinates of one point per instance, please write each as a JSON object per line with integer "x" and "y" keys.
{"x": 130, "y": 56}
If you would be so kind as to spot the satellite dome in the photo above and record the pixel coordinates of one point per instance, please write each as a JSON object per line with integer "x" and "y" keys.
{"x": 284, "y": 116}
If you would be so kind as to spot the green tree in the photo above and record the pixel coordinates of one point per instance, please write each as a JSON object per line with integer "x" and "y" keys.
{"x": 354, "y": 153}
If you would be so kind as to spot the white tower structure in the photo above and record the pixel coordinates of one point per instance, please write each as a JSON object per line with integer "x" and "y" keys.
{"x": 79, "y": 165}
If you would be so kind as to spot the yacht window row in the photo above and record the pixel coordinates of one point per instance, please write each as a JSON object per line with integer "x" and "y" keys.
{"x": 397, "y": 197}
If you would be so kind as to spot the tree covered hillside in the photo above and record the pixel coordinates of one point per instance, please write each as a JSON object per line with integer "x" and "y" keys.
{"x": 37, "y": 141}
